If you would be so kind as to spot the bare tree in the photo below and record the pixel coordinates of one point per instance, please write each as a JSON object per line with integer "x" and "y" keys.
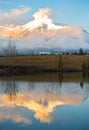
{"x": 60, "y": 62}
{"x": 10, "y": 53}
{"x": 9, "y": 87}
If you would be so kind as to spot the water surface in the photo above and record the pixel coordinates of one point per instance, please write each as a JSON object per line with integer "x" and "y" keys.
{"x": 49, "y": 101}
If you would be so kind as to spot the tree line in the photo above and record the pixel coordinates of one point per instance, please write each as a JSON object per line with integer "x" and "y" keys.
{"x": 10, "y": 52}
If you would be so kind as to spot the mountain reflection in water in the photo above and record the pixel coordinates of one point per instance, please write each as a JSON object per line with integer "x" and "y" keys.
{"x": 41, "y": 96}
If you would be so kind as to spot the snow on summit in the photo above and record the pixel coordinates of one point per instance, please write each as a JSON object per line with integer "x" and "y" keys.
{"x": 42, "y": 17}
{"x": 43, "y": 33}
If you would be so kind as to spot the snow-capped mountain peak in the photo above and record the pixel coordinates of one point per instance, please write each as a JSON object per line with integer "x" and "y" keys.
{"x": 43, "y": 34}
{"x": 40, "y": 23}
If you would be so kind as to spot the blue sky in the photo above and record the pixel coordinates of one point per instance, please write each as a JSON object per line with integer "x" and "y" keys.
{"x": 71, "y": 12}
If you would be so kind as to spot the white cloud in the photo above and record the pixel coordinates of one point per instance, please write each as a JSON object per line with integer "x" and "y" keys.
{"x": 7, "y": 113}
{"x": 14, "y": 16}
{"x": 43, "y": 13}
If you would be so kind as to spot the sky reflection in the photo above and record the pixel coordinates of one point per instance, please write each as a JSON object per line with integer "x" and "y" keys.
{"x": 42, "y": 98}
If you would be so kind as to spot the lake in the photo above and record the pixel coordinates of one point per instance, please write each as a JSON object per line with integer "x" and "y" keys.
{"x": 44, "y": 102}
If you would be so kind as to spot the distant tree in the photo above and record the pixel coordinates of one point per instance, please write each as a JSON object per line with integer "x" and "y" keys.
{"x": 10, "y": 52}
{"x": 67, "y": 53}
{"x": 81, "y": 52}
{"x": 75, "y": 53}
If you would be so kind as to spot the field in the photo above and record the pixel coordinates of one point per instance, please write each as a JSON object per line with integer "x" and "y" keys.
{"x": 73, "y": 62}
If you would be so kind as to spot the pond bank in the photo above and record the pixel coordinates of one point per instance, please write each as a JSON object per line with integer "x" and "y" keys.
{"x": 4, "y": 70}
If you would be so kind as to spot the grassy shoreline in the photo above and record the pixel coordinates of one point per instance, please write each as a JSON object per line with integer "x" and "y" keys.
{"x": 42, "y": 63}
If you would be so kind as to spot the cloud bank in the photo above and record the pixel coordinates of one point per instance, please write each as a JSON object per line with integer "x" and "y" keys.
{"x": 42, "y": 33}
{"x": 13, "y": 16}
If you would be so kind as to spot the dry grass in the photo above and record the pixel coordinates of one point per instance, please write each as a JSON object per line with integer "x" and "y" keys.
{"x": 48, "y": 61}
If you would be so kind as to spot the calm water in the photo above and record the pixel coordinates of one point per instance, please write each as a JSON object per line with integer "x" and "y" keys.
{"x": 44, "y": 102}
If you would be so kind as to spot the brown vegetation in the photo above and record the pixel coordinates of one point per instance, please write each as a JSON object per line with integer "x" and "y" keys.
{"x": 45, "y": 63}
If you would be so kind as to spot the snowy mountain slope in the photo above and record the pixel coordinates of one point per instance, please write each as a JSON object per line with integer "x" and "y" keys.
{"x": 42, "y": 33}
